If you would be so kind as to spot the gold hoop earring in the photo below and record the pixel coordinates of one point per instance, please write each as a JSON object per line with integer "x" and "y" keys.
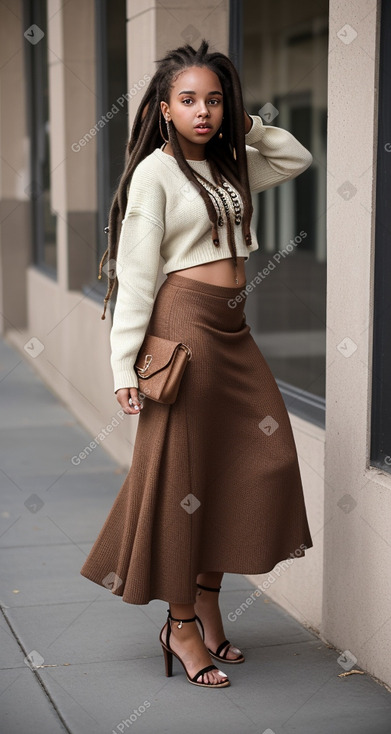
{"x": 220, "y": 133}
{"x": 161, "y": 131}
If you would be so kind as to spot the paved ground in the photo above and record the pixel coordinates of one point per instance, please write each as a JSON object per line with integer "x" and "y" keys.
{"x": 103, "y": 668}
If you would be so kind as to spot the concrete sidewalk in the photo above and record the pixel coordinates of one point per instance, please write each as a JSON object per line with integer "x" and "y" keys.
{"x": 102, "y": 665}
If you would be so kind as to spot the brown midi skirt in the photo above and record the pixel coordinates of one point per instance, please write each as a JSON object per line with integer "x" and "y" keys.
{"x": 214, "y": 483}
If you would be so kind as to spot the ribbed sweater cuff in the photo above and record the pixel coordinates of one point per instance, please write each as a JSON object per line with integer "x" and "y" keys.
{"x": 257, "y": 131}
{"x": 125, "y": 378}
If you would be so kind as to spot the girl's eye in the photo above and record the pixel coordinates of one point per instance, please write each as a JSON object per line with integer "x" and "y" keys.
{"x": 188, "y": 99}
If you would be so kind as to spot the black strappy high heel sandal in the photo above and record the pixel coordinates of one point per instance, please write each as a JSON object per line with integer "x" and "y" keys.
{"x": 219, "y": 654}
{"x": 168, "y": 653}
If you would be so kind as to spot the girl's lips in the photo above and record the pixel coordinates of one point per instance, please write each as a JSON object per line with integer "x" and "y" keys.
{"x": 202, "y": 129}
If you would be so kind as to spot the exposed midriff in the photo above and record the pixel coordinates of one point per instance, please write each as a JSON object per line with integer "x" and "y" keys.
{"x": 218, "y": 272}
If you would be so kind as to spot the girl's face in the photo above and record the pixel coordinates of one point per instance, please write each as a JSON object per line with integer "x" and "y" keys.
{"x": 196, "y": 108}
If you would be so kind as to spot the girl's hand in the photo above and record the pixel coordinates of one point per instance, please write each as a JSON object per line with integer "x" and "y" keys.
{"x": 124, "y": 394}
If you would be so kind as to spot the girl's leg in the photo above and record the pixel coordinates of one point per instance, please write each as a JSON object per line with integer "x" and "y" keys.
{"x": 186, "y": 641}
{"x": 212, "y": 579}
{"x": 207, "y": 608}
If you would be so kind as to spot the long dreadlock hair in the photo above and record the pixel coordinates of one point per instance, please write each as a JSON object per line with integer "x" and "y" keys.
{"x": 226, "y": 155}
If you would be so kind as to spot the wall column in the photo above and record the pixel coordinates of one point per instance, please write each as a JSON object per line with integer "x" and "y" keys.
{"x": 15, "y": 223}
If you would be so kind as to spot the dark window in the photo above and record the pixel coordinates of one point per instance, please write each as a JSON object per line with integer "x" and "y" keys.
{"x": 111, "y": 87}
{"x": 381, "y": 368}
{"x": 282, "y": 61}
{"x": 36, "y": 64}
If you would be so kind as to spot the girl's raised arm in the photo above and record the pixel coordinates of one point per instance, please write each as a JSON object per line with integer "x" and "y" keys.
{"x": 274, "y": 155}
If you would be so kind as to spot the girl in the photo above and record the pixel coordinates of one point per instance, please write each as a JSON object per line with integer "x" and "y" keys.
{"x": 214, "y": 484}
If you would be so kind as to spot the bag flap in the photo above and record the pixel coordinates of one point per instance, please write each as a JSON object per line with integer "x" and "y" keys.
{"x": 155, "y": 352}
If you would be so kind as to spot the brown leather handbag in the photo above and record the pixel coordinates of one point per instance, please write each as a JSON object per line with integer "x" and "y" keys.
{"x": 159, "y": 365}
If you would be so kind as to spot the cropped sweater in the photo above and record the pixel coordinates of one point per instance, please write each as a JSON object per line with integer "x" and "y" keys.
{"x": 167, "y": 217}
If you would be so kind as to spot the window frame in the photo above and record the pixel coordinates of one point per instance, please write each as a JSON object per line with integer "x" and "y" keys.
{"x": 380, "y": 428}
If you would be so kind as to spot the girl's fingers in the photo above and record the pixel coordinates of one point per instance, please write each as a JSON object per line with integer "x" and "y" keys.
{"x": 129, "y": 400}
{"x": 134, "y": 400}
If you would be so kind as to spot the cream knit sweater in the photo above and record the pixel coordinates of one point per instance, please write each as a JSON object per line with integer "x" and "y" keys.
{"x": 167, "y": 217}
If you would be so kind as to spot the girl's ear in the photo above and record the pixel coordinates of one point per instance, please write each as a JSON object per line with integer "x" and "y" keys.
{"x": 163, "y": 108}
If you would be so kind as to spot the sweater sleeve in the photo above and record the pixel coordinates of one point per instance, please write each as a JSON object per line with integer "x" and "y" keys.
{"x": 274, "y": 155}
{"x": 137, "y": 269}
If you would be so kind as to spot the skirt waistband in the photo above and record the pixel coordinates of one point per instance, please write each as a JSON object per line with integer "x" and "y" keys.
{"x": 203, "y": 287}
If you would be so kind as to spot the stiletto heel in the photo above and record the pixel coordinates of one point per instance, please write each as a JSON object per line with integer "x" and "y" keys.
{"x": 168, "y": 661}
{"x": 219, "y": 654}
{"x": 168, "y": 653}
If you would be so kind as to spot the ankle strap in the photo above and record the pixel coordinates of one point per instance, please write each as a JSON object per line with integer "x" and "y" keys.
{"x": 208, "y": 588}
{"x": 180, "y": 620}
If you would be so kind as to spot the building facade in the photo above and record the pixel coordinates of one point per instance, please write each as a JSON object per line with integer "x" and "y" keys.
{"x": 72, "y": 77}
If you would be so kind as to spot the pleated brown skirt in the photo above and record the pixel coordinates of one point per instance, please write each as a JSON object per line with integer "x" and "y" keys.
{"x": 214, "y": 483}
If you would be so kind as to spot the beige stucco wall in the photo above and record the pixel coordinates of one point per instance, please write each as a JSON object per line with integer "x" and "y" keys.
{"x": 297, "y": 585}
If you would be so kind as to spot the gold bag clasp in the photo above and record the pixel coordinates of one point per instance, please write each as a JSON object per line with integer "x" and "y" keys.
{"x": 147, "y": 362}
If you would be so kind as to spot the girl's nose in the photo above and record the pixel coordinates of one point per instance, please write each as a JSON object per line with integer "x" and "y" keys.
{"x": 203, "y": 110}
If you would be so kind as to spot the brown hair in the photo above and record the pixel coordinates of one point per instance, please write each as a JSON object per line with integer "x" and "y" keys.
{"x": 226, "y": 155}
